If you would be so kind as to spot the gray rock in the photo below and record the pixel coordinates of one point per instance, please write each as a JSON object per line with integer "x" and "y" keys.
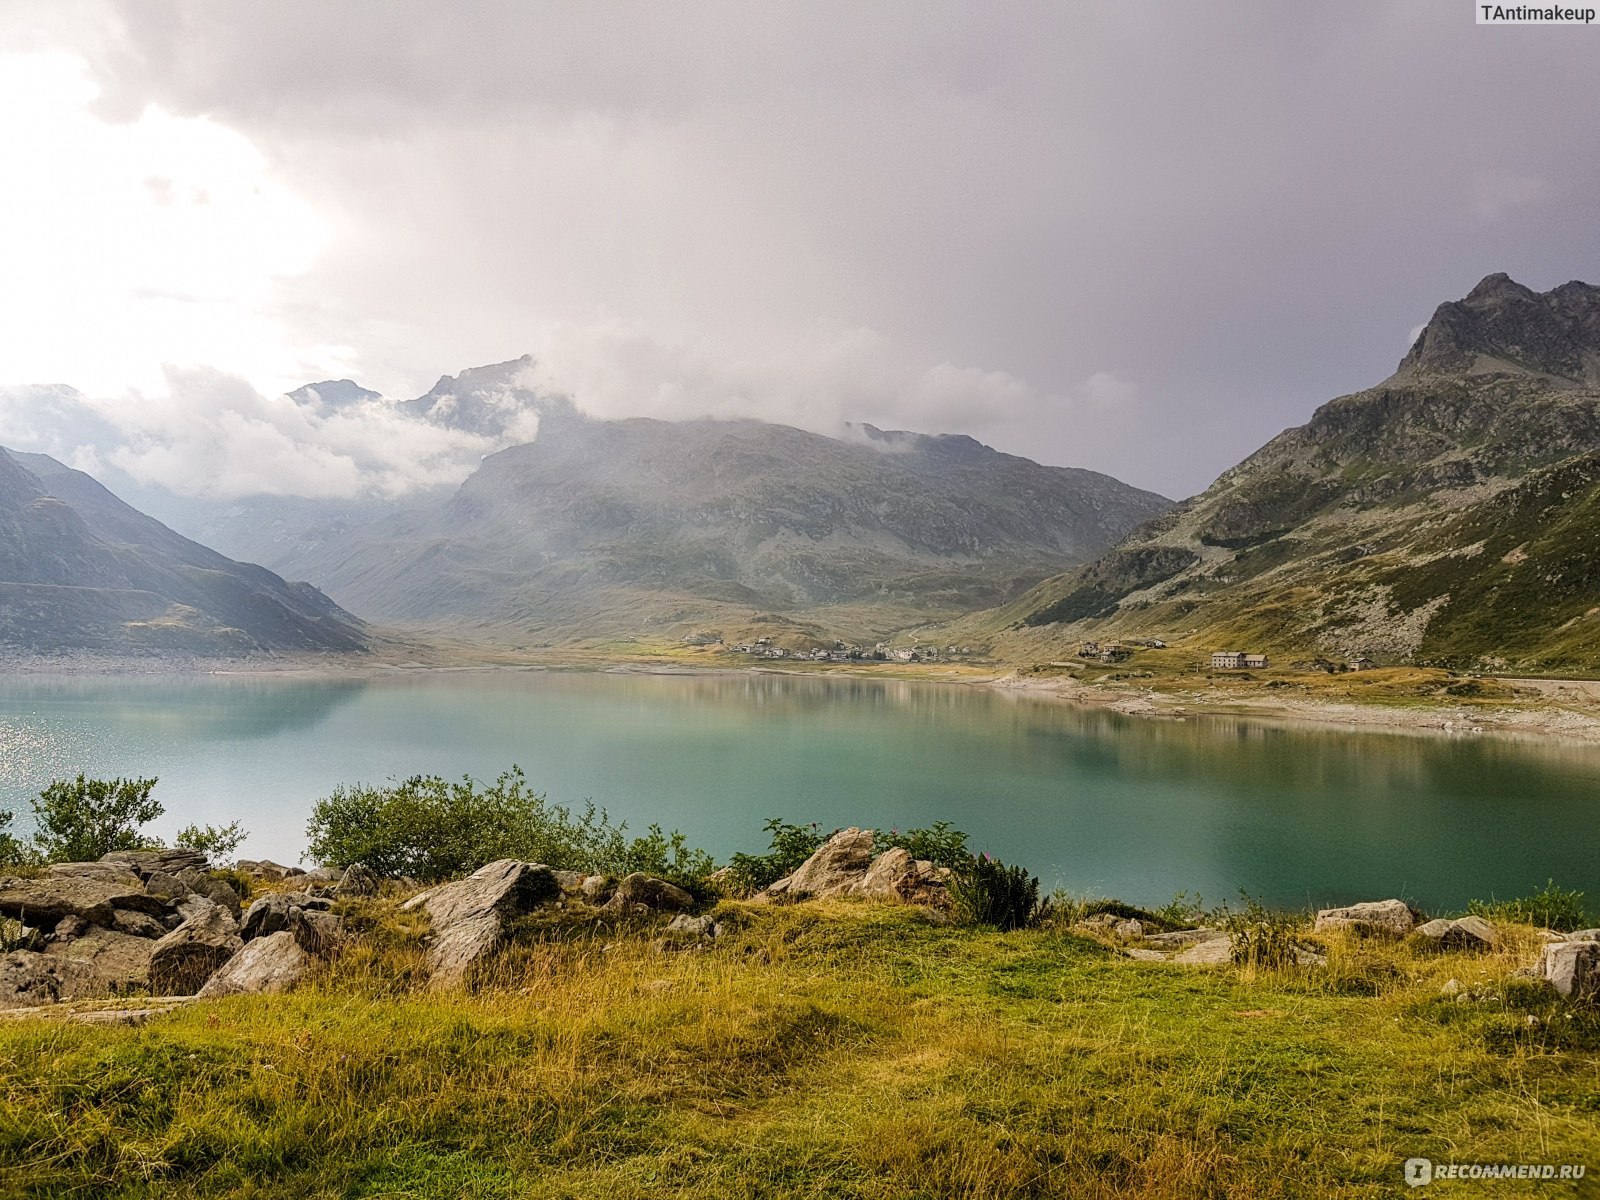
{"x": 169, "y": 860}
{"x": 1177, "y": 939}
{"x": 697, "y": 926}
{"x": 168, "y": 887}
{"x": 1391, "y": 918}
{"x": 28, "y": 978}
{"x": 184, "y": 959}
{"x": 1581, "y": 935}
{"x": 1464, "y": 933}
{"x": 110, "y": 872}
{"x": 838, "y": 865}
{"x": 219, "y": 892}
{"x": 469, "y": 916}
{"x": 895, "y": 875}
{"x": 193, "y": 906}
{"x": 267, "y": 915}
{"x": 137, "y": 924}
{"x": 45, "y": 900}
{"x": 570, "y": 881}
{"x": 267, "y": 870}
{"x": 1208, "y": 953}
{"x": 1129, "y": 928}
{"x": 640, "y": 893}
{"x": 318, "y": 933}
{"x": 270, "y": 964}
{"x": 1572, "y": 968}
{"x": 122, "y": 959}
{"x": 1143, "y": 955}
{"x": 359, "y": 880}
{"x": 597, "y": 889}
{"x": 71, "y": 927}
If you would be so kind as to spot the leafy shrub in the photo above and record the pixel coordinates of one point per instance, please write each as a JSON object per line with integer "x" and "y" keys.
{"x": 216, "y": 842}
{"x": 12, "y": 851}
{"x": 938, "y": 843}
{"x": 1549, "y": 908}
{"x": 984, "y": 891}
{"x": 85, "y": 819}
{"x": 788, "y": 847}
{"x": 1263, "y": 937}
{"x": 432, "y": 829}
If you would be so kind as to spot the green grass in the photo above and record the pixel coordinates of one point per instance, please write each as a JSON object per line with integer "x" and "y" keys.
{"x": 816, "y": 1050}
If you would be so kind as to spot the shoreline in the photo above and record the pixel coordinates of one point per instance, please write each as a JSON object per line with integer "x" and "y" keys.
{"x": 1550, "y": 718}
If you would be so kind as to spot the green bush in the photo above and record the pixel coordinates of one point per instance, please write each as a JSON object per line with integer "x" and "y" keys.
{"x": 1548, "y": 908}
{"x": 788, "y": 847}
{"x": 85, "y": 819}
{"x": 1264, "y": 937}
{"x": 984, "y": 891}
{"x": 431, "y": 829}
{"x": 216, "y": 842}
{"x": 12, "y": 851}
{"x": 938, "y": 843}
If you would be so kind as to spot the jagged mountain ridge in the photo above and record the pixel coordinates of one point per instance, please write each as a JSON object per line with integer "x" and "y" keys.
{"x": 737, "y": 512}
{"x": 82, "y": 571}
{"x": 1448, "y": 516}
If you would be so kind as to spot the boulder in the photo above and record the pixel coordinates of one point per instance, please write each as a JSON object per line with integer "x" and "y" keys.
{"x": 267, "y": 915}
{"x": 1464, "y": 933}
{"x": 28, "y": 978}
{"x": 1572, "y": 968}
{"x": 274, "y": 963}
{"x": 1391, "y": 918}
{"x": 895, "y": 875}
{"x": 169, "y": 860}
{"x": 641, "y": 893}
{"x": 469, "y": 916}
{"x": 193, "y": 906}
{"x": 1580, "y": 935}
{"x": 1180, "y": 938}
{"x": 121, "y": 959}
{"x": 168, "y": 887}
{"x": 838, "y": 865}
{"x": 219, "y": 892}
{"x": 1210, "y": 952}
{"x": 596, "y": 889}
{"x": 570, "y": 881}
{"x": 184, "y": 959}
{"x": 359, "y": 880}
{"x": 324, "y": 875}
{"x": 697, "y": 926}
{"x": 266, "y": 869}
{"x": 1129, "y": 928}
{"x": 318, "y": 933}
{"x": 137, "y": 924}
{"x": 45, "y": 900}
{"x": 111, "y": 872}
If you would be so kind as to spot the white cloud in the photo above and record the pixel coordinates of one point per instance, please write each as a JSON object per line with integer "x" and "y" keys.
{"x": 212, "y": 434}
{"x": 1496, "y": 194}
{"x": 127, "y": 245}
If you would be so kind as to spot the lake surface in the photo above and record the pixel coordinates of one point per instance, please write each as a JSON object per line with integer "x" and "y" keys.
{"x": 1091, "y": 801}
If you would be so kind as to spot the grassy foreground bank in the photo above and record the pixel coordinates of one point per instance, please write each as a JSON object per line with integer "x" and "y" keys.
{"x": 816, "y": 1049}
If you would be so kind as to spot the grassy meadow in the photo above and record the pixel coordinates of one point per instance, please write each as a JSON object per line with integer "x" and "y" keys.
{"x": 815, "y": 1049}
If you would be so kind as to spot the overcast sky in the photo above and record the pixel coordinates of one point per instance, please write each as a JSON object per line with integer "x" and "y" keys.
{"x": 1136, "y": 237}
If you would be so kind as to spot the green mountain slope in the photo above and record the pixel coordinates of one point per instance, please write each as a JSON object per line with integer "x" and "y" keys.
{"x": 1449, "y": 516}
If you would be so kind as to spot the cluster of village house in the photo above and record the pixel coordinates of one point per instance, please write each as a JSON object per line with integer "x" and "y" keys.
{"x": 762, "y": 647}
{"x": 1221, "y": 660}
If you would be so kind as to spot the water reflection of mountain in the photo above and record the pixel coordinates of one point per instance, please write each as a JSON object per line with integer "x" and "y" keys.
{"x": 204, "y": 708}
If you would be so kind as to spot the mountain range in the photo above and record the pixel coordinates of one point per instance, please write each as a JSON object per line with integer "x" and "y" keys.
{"x": 1448, "y": 516}
{"x": 82, "y": 571}
{"x": 595, "y": 524}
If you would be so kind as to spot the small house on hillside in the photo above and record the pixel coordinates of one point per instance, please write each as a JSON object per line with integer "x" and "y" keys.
{"x": 1238, "y": 660}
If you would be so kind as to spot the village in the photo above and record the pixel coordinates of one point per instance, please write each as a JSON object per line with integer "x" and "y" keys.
{"x": 841, "y": 651}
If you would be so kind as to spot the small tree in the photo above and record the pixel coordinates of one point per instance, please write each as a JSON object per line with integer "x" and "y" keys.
{"x": 88, "y": 818}
{"x": 217, "y": 842}
{"x": 12, "y": 851}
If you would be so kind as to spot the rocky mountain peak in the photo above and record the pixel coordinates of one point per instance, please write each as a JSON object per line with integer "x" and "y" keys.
{"x": 1503, "y": 327}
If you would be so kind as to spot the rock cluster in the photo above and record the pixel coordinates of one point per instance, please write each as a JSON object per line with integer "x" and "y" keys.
{"x": 845, "y": 865}
{"x": 150, "y": 920}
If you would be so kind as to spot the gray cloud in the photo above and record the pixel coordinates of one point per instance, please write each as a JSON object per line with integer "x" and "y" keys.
{"x": 1138, "y": 238}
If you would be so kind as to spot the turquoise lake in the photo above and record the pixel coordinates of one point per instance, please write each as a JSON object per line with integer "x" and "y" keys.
{"x": 1092, "y": 801}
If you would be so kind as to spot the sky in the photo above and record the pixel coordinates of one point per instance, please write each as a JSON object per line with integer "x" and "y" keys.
{"x": 1141, "y": 238}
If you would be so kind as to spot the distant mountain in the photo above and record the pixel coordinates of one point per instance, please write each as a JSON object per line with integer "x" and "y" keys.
{"x": 1448, "y": 516}
{"x": 601, "y": 525}
{"x": 81, "y": 570}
